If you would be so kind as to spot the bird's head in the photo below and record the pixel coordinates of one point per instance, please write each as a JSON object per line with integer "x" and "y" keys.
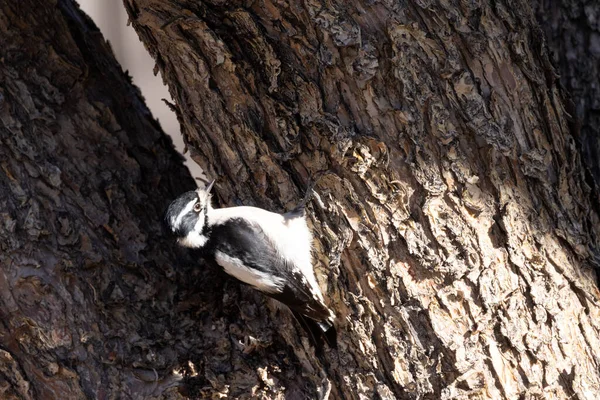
{"x": 186, "y": 216}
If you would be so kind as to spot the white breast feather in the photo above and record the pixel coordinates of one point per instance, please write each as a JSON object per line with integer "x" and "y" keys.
{"x": 193, "y": 240}
{"x": 236, "y": 268}
{"x": 291, "y": 237}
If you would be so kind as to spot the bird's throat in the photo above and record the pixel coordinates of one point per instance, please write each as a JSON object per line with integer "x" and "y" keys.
{"x": 194, "y": 240}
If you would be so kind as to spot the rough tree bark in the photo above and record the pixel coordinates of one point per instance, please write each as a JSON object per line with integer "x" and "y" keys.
{"x": 572, "y": 28}
{"x": 456, "y": 235}
{"x": 87, "y": 285}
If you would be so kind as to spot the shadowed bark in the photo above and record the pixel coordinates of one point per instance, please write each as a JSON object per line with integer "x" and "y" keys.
{"x": 572, "y": 29}
{"x": 88, "y": 292}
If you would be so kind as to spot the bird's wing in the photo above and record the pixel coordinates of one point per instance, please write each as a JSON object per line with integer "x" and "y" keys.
{"x": 297, "y": 295}
{"x": 262, "y": 267}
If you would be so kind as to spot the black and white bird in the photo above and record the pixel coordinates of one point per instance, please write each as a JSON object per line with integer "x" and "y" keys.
{"x": 269, "y": 251}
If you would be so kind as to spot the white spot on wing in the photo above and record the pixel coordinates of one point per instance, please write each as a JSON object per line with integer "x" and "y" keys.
{"x": 260, "y": 280}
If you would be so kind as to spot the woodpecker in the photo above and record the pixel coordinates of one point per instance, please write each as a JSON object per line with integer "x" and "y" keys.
{"x": 269, "y": 251}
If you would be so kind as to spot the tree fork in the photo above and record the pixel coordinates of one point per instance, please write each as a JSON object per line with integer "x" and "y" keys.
{"x": 455, "y": 234}
{"x": 95, "y": 301}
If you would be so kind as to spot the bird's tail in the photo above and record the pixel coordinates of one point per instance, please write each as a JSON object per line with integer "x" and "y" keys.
{"x": 318, "y": 331}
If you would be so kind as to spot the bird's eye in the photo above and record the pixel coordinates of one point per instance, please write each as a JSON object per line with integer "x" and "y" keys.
{"x": 197, "y": 207}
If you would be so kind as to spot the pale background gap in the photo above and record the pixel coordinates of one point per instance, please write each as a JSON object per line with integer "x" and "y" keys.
{"x": 111, "y": 18}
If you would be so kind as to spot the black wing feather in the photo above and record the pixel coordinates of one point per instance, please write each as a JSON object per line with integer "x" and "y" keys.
{"x": 240, "y": 239}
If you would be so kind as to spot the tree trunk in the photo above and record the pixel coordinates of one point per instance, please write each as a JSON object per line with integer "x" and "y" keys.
{"x": 573, "y": 32}
{"x": 86, "y": 277}
{"x": 456, "y": 235}
{"x": 456, "y": 238}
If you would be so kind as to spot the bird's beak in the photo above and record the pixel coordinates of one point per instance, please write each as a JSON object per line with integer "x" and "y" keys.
{"x": 209, "y": 187}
